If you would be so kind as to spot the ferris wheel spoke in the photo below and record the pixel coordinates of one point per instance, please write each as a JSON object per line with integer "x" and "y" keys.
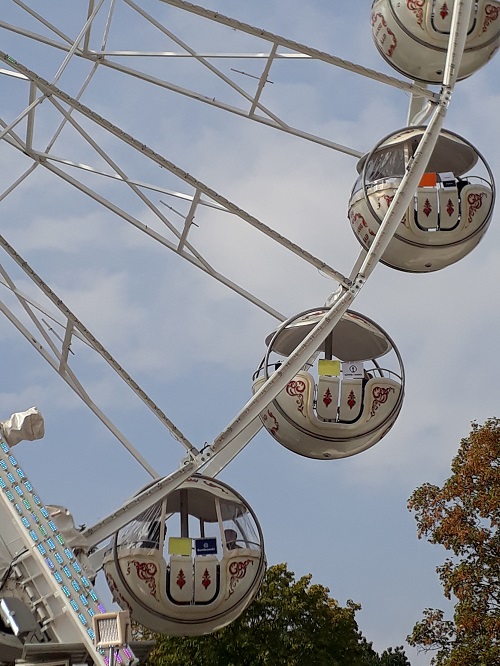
{"x": 298, "y": 47}
{"x": 60, "y": 362}
{"x": 83, "y": 32}
{"x": 191, "y": 255}
{"x": 53, "y": 358}
{"x": 321, "y": 390}
{"x": 203, "y": 61}
{"x": 146, "y": 151}
{"x": 183, "y": 248}
{"x": 102, "y": 58}
{"x": 266, "y": 116}
{"x": 234, "y": 446}
{"x": 97, "y": 533}
{"x": 38, "y": 17}
{"x": 366, "y": 262}
{"x": 246, "y": 113}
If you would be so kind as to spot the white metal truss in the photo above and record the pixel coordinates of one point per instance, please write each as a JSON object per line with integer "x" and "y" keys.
{"x": 278, "y": 48}
{"x": 55, "y": 330}
{"x": 20, "y": 134}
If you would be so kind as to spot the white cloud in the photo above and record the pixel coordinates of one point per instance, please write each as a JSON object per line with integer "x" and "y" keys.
{"x": 193, "y": 343}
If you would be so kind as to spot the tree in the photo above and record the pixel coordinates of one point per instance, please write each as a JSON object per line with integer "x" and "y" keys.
{"x": 464, "y": 517}
{"x": 290, "y": 622}
{"x": 392, "y": 657}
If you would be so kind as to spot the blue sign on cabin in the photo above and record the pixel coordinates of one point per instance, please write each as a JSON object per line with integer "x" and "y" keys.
{"x": 206, "y": 546}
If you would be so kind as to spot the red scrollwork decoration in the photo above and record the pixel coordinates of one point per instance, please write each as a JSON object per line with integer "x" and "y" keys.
{"x": 387, "y": 33}
{"x": 273, "y": 429}
{"x": 444, "y": 11}
{"x": 450, "y": 208}
{"x": 475, "y": 201}
{"x": 237, "y": 571}
{"x": 491, "y": 14}
{"x": 351, "y": 400}
{"x": 385, "y": 197}
{"x": 416, "y": 6}
{"x": 362, "y": 223}
{"x": 295, "y": 389}
{"x": 427, "y": 209}
{"x": 380, "y": 396}
{"x": 117, "y": 595}
{"x": 206, "y": 581}
{"x": 146, "y": 571}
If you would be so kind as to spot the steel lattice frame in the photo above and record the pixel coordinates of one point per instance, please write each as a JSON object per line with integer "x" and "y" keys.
{"x": 19, "y": 133}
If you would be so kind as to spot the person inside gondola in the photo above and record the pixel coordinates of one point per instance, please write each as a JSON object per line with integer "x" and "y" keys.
{"x": 230, "y": 537}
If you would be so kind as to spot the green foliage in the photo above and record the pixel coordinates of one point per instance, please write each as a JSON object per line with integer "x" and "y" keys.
{"x": 464, "y": 517}
{"x": 290, "y": 623}
{"x": 392, "y": 657}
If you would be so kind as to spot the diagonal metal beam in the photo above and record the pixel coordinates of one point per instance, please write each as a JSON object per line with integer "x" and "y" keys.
{"x": 268, "y": 119}
{"x": 71, "y": 381}
{"x": 300, "y": 48}
{"x": 203, "y": 61}
{"x": 50, "y": 90}
{"x": 96, "y": 345}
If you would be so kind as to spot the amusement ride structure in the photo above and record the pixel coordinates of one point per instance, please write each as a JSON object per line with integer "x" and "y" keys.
{"x": 185, "y": 555}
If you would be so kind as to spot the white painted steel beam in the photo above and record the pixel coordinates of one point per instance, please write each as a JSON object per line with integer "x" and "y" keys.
{"x": 97, "y": 346}
{"x": 71, "y": 381}
{"x": 51, "y": 90}
{"x": 237, "y": 433}
{"x": 108, "y": 526}
{"x": 245, "y": 424}
{"x": 300, "y": 48}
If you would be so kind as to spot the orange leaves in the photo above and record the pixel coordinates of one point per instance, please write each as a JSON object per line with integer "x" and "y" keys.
{"x": 464, "y": 517}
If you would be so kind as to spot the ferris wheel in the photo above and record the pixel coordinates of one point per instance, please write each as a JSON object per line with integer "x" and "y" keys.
{"x": 185, "y": 555}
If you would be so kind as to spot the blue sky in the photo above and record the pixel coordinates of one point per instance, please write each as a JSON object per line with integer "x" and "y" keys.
{"x": 192, "y": 344}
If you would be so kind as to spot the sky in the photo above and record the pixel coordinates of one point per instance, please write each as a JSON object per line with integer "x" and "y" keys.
{"x": 193, "y": 344}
